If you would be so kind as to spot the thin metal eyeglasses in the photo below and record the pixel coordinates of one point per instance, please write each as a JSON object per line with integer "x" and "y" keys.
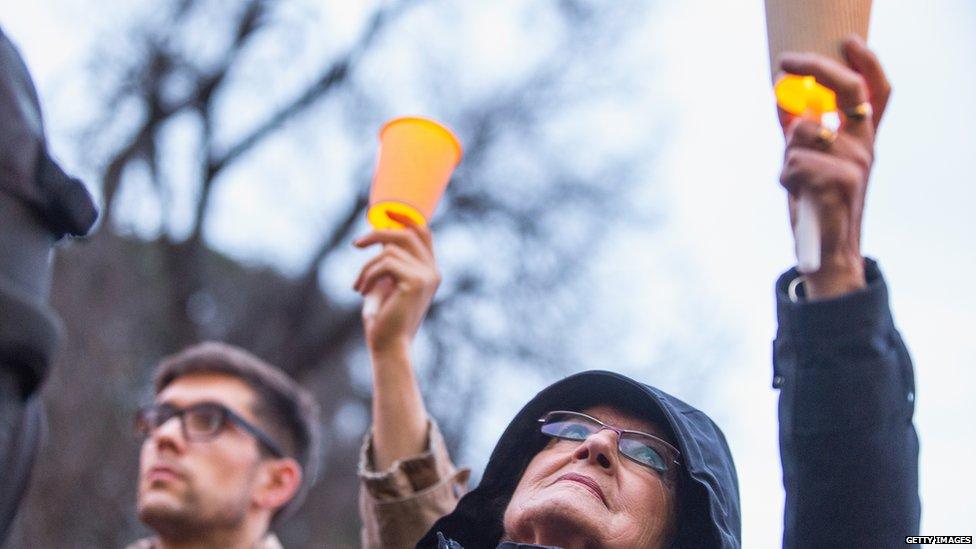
{"x": 200, "y": 422}
{"x": 641, "y": 448}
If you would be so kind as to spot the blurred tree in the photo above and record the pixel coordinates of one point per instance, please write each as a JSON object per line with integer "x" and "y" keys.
{"x": 233, "y": 146}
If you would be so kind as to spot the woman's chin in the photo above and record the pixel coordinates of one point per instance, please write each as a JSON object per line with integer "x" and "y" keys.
{"x": 555, "y": 515}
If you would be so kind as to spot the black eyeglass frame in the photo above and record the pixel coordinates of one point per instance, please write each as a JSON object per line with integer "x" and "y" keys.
{"x": 226, "y": 414}
{"x": 673, "y": 458}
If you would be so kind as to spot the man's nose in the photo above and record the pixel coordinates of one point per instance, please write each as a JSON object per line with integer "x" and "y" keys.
{"x": 169, "y": 434}
{"x": 600, "y": 449}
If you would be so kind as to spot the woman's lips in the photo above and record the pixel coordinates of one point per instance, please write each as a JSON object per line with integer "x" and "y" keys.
{"x": 587, "y": 482}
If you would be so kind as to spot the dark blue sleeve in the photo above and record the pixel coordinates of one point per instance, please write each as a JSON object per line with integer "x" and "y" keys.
{"x": 847, "y": 395}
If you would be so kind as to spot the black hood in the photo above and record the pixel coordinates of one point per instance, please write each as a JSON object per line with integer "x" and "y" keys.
{"x": 709, "y": 486}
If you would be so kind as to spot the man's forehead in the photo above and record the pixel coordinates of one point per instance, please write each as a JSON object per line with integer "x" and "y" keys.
{"x": 196, "y": 387}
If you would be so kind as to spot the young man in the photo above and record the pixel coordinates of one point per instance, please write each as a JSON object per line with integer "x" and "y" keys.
{"x": 231, "y": 446}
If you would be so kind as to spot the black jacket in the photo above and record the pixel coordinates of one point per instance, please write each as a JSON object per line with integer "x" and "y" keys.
{"x": 39, "y": 204}
{"x": 849, "y": 450}
{"x": 847, "y": 395}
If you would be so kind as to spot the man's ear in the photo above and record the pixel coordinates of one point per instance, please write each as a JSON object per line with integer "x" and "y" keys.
{"x": 278, "y": 482}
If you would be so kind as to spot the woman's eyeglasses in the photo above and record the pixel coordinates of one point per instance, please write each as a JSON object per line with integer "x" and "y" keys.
{"x": 200, "y": 422}
{"x": 642, "y": 448}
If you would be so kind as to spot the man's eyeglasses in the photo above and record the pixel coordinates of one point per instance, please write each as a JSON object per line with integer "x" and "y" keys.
{"x": 642, "y": 448}
{"x": 200, "y": 423}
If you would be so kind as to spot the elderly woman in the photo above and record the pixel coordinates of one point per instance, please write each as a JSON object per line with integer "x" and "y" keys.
{"x": 600, "y": 460}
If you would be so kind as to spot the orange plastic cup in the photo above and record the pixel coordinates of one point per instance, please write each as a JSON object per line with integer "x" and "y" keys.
{"x": 417, "y": 158}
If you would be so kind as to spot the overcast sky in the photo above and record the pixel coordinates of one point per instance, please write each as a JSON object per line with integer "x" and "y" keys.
{"x": 725, "y": 229}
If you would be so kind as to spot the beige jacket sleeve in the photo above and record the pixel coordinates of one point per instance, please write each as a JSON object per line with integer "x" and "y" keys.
{"x": 400, "y": 504}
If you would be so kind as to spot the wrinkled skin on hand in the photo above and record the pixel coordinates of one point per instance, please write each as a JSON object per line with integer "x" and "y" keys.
{"x": 835, "y": 176}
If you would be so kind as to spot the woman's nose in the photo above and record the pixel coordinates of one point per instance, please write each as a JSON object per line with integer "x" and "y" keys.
{"x": 599, "y": 448}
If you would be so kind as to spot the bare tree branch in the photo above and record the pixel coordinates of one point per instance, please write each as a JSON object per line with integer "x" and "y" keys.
{"x": 331, "y": 77}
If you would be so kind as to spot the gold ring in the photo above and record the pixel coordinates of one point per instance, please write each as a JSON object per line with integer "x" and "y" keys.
{"x": 859, "y": 113}
{"x": 825, "y": 137}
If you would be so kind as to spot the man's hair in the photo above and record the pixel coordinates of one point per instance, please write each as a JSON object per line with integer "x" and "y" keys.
{"x": 286, "y": 411}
